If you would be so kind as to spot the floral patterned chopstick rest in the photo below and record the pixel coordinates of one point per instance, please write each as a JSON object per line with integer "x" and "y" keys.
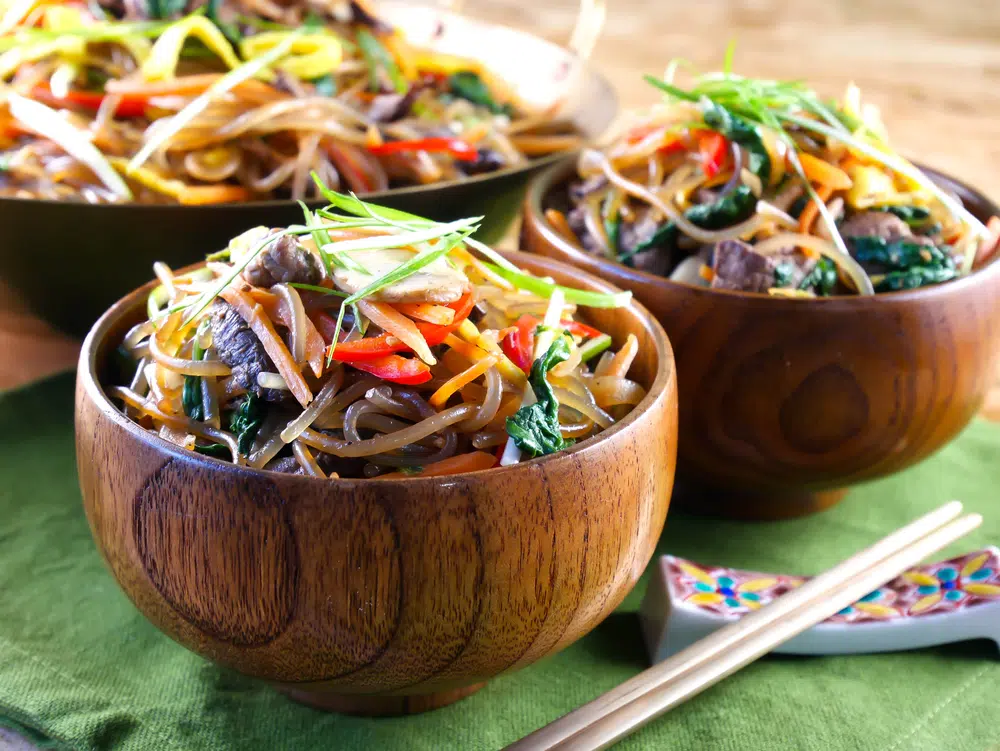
{"x": 937, "y": 603}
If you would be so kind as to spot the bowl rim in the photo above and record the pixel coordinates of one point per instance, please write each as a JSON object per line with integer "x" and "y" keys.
{"x": 551, "y": 177}
{"x": 592, "y": 72}
{"x": 664, "y": 380}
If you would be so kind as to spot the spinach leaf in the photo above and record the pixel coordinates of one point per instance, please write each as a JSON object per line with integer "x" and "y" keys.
{"x": 191, "y": 398}
{"x": 899, "y": 254}
{"x": 731, "y": 209}
{"x": 914, "y": 216}
{"x": 246, "y": 421}
{"x": 467, "y": 85}
{"x": 218, "y": 450}
{"x": 783, "y": 274}
{"x": 917, "y": 276}
{"x": 230, "y": 30}
{"x": 535, "y": 427}
{"x": 822, "y": 279}
{"x": 736, "y": 129}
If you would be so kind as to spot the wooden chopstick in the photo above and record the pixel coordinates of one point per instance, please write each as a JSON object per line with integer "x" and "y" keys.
{"x": 761, "y": 627}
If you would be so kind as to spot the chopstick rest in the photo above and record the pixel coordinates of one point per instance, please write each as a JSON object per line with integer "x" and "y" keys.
{"x": 937, "y": 603}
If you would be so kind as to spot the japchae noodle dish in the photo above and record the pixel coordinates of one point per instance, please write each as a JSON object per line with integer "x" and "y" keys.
{"x": 368, "y": 342}
{"x": 761, "y": 186}
{"x": 167, "y": 101}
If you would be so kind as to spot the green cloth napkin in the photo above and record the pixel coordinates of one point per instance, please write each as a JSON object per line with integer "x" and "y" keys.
{"x": 80, "y": 666}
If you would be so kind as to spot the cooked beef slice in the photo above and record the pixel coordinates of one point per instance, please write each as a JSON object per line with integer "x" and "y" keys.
{"x": 283, "y": 261}
{"x": 241, "y": 350}
{"x": 738, "y": 266}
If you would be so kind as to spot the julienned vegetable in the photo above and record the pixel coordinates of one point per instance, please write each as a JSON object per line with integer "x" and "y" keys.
{"x": 234, "y": 101}
{"x": 396, "y": 348}
{"x": 761, "y": 186}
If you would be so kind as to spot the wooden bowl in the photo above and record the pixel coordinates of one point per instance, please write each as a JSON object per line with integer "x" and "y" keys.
{"x": 784, "y": 403}
{"x": 111, "y": 248}
{"x": 379, "y": 596}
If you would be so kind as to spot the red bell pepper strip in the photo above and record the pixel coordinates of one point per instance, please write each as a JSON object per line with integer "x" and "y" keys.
{"x": 516, "y": 350}
{"x": 713, "y": 147}
{"x": 131, "y": 105}
{"x": 405, "y": 370}
{"x": 461, "y": 150}
{"x": 435, "y": 333}
{"x": 374, "y": 347}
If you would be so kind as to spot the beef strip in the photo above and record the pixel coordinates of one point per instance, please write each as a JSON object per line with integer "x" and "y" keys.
{"x": 487, "y": 160}
{"x": 738, "y": 266}
{"x": 576, "y": 223}
{"x": 656, "y": 259}
{"x": 387, "y": 108}
{"x": 241, "y": 350}
{"x": 581, "y": 189}
{"x": 281, "y": 262}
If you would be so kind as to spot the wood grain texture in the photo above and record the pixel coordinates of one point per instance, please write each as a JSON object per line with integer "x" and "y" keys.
{"x": 380, "y": 588}
{"x": 781, "y": 399}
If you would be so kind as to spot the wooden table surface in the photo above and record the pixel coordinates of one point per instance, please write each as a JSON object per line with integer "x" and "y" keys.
{"x": 933, "y": 68}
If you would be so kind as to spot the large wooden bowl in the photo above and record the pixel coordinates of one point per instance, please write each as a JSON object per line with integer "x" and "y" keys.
{"x": 109, "y": 249}
{"x": 784, "y": 403}
{"x": 379, "y": 596}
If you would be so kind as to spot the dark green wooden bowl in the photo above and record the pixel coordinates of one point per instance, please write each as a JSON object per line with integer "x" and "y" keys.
{"x": 70, "y": 261}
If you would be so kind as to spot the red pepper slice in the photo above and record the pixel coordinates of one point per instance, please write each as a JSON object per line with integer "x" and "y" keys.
{"x": 373, "y": 347}
{"x": 435, "y": 333}
{"x": 713, "y": 147}
{"x": 516, "y": 351}
{"x": 405, "y": 370}
{"x": 131, "y": 105}
{"x": 461, "y": 150}
{"x": 499, "y": 454}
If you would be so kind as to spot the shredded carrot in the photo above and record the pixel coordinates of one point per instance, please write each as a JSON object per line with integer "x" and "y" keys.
{"x": 277, "y": 311}
{"x": 810, "y": 212}
{"x": 508, "y": 407}
{"x": 395, "y": 323}
{"x": 440, "y": 397}
{"x": 471, "y": 462}
{"x": 706, "y": 273}
{"x": 558, "y": 221}
{"x": 254, "y": 315}
{"x": 470, "y": 333}
{"x": 467, "y": 349}
{"x": 824, "y": 173}
{"x": 192, "y": 86}
{"x": 199, "y": 195}
{"x": 442, "y": 315}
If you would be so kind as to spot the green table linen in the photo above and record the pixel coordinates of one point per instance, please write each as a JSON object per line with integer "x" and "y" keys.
{"x": 81, "y": 668}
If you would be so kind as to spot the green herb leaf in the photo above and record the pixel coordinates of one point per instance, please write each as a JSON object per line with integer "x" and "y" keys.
{"x": 545, "y": 289}
{"x": 917, "y": 276}
{"x": 783, "y": 274}
{"x": 246, "y": 420}
{"x": 535, "y": 427}
{"x": 594, "y": 347}
{"x": 194, "y": 406}
{"x": 467, "y": 84}
{"x": 317, "y": 288}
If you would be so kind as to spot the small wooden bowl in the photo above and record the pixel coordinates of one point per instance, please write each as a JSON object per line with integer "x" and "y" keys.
{"x": 785, "y": 403}
{"x": 379, "y": 596}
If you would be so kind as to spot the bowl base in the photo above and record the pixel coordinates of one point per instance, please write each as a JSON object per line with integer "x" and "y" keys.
{"x": 766, "y": 505}
{"x": 367, "y": 705}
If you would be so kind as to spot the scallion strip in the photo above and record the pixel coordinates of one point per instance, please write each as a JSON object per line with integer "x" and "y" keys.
{"x": 377, "y": 56}
{"x": 594, "y": 347}
{"x": 545, "y": 289}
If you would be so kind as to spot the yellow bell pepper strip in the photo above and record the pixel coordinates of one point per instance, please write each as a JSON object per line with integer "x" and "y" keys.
{"x": 188, "y": 195}
{"x": 162, "y": 62}
{"x": 66, "y": 46}
{"x": 312, "y": 55}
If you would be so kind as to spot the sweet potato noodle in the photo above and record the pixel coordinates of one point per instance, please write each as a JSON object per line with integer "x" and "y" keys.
{"x": 762, "y": 186}
{"x": 368, "y": 342}
{"x": 203, "y": 102}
